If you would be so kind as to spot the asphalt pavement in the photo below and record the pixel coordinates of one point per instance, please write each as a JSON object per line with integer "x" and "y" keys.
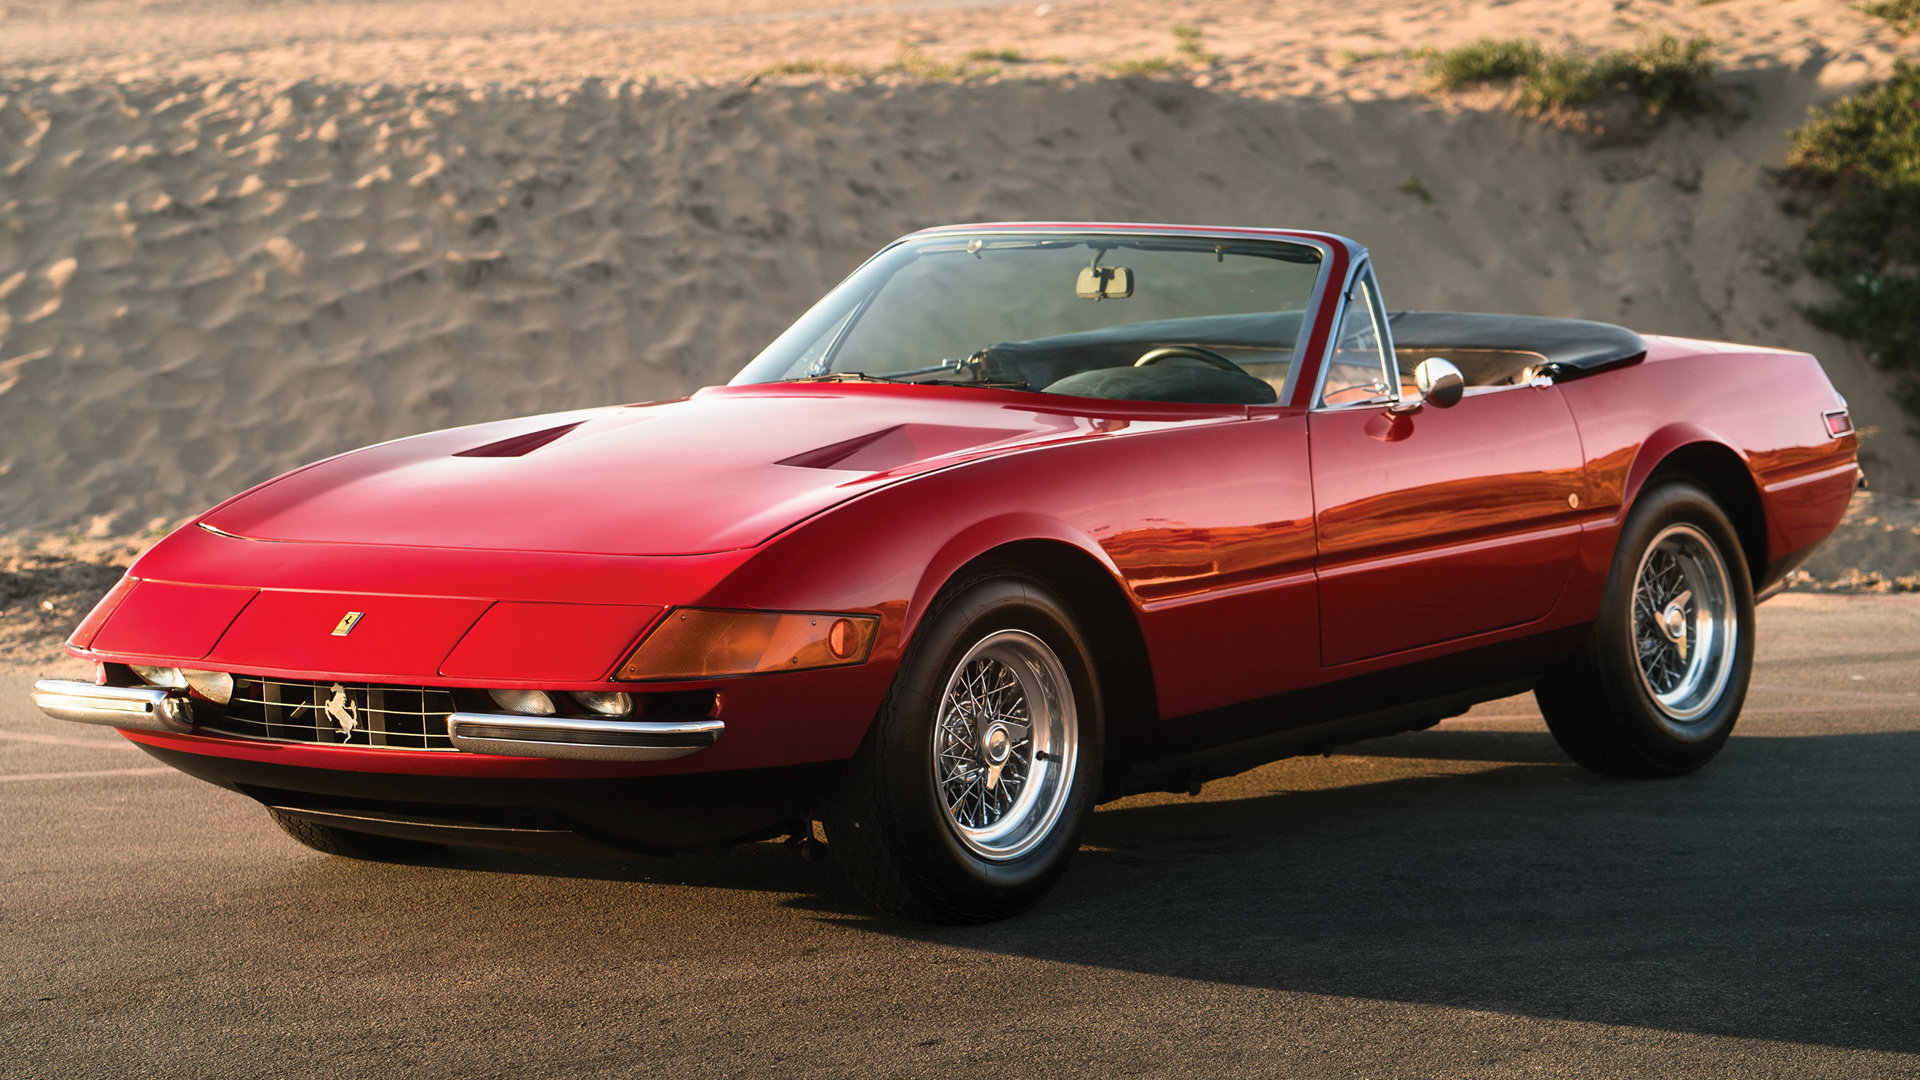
{"x": 1457, "y": 902}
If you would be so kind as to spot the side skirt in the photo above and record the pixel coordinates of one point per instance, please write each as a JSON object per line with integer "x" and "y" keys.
{"x": 1225, "y": 741}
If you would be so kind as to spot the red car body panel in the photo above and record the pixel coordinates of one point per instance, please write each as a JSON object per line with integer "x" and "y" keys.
{"x": 1257, "y": 550}
{"x": 1458, "y": 533}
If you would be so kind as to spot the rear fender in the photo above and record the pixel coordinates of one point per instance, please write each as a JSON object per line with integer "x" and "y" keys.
{"x": 1727, "y": 473}
{"x": 1658, "y": 447}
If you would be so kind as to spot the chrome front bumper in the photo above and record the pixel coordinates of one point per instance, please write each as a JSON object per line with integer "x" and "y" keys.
{"x": 148, "y": 708}
{"x": 143, "y": 708}
{"x": 581, "y": 740}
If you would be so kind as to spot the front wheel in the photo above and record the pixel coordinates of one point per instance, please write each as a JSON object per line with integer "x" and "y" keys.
{"x": 968, "y": 797}
{"x": 1657, "y": 691}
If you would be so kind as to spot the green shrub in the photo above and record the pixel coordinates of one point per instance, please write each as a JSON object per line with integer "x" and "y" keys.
{"x": 1661, "y": 72}
{"x": 1903, "y": 14}
{"x": 1862, "y": 155}
{"x": 1005, "y": 56}
{"x": 1484, "y": 61}
{"x": 1560, "y": 82}
{"x": 1189, "y": 43}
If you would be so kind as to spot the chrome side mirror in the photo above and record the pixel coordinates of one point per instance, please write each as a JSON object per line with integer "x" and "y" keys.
{"x": 1441, "y": 384}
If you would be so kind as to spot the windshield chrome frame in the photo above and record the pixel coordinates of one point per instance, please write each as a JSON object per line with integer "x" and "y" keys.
{"x": 1324, "y": 243}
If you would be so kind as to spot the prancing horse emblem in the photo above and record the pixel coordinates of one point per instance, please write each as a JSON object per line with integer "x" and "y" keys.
{"x": 341, "y": 709}
{"x": 347, "y": 622}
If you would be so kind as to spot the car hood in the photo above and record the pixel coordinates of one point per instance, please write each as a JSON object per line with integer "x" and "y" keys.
{"x": 724, "y": 469}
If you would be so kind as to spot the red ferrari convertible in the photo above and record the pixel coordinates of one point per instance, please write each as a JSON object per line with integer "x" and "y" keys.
{"x": 1018, "y": 519}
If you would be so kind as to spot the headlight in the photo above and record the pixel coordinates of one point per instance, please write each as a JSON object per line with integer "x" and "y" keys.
{"x": 525, "y": 702}
{"x": 215, "y": 686}
{"x": 693, "y": 643}
{"x": 605, "y": 703}
{"x": 170, "y": 677}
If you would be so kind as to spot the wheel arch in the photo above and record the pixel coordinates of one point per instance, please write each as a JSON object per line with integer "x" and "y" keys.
{"x": 1710, "y": 462}
{"x": 1092, "y": 591}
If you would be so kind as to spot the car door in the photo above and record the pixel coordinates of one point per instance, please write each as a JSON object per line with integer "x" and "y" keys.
{"x": 1437, "y": 524}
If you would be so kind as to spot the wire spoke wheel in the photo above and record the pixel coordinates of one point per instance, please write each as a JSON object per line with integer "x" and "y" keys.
{"x": 1684, "y": 632}
{"x": 1658, "y": 687}
{"x": 1005, "y": 744}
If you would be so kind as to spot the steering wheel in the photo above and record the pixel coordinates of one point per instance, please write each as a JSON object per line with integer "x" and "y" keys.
{"x": 1190, "y": 352}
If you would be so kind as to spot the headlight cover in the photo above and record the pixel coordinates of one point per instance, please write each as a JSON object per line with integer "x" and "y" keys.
{"x": 701, "y": 643}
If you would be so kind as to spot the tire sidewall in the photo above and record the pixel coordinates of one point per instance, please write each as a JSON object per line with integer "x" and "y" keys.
{"x": 921, "y": 831}
{"x": 1640, "y": 719}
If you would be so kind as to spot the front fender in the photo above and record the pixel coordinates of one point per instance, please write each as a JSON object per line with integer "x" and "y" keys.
{"x": 996, "y": 532}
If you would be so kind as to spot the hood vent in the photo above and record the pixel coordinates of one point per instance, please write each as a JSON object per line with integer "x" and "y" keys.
{"x": 888, "y": 448}
{"x": 520, "y": 445}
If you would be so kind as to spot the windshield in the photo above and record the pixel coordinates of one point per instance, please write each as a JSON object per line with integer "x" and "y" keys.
{"x": 1149, "y": 318}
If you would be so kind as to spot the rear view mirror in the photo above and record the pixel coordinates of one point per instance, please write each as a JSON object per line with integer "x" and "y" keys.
{"x": 1104, "y": 283}
{"x": 1441, "y": 384}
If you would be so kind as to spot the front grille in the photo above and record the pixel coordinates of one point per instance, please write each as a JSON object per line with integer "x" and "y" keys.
{"x": 337, "y": 714}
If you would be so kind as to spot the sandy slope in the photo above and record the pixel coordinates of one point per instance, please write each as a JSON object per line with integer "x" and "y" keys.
{"x": 1270, "y": 47}
{"x": 237, "y": 236}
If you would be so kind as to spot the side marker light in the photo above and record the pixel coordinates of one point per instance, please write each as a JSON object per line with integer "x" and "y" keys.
{"x": 696, "y": 643}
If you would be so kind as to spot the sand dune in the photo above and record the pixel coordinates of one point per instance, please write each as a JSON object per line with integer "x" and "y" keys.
{"x": 320, "y": 225}
{"x": 1284, "y": 48}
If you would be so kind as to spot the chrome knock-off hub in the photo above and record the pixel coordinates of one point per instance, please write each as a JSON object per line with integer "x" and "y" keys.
{"x": 996, "y": 745}
{"x": 1673, "y": 622}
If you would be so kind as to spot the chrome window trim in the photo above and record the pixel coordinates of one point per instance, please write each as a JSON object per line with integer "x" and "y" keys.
{"x": 1362, "y": 267}
{"x": 1482, "y": 391}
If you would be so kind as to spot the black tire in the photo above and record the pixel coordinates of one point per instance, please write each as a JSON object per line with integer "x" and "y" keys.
{"x": 1665, "y": 715}
{"x": 353, "y": 845}
{"x": 892, "y": 824}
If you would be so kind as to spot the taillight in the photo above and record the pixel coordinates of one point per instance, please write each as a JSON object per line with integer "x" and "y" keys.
{"x": 1839, "y": 422}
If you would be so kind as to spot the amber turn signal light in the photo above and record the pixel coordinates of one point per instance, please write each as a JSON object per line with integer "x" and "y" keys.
{"x": 695, "y": 643}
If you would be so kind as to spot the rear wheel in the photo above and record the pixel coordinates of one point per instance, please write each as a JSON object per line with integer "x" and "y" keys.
{"x": 353, "y": 845}
{"x": 968, "y": 797}
{"x": 1657, "y": 691}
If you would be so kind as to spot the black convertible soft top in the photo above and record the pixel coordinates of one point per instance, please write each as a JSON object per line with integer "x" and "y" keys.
{"x": 1569, "y": 345}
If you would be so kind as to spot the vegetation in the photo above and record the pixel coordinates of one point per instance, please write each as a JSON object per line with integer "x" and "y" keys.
{"x": 811, "y": 67}
{"x": 1661, "y": 72}
{"x": 1188, "y": 43}
{"x": 914, "y": 62}
{"x": 1418, "y": 190}
{"x": 908, "y": 60}
{"x": 1485, "y": 61}
{"x": 1903, "y": 14}
{"x": 1862, "y": 156}
{"x": 1150, "y": 65}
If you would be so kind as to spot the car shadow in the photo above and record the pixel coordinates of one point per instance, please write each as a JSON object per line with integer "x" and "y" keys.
{"x": 1772, "y": 895}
